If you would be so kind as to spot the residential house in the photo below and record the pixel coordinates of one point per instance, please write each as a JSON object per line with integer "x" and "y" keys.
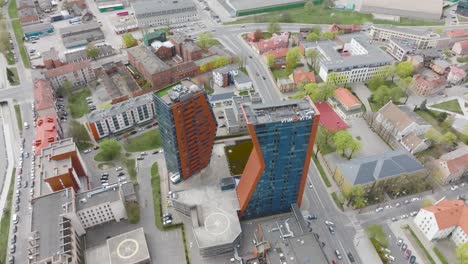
{"x": 302, "y": 77}
{"x": 366, "y": 171}
{"x": 440, "y": 66}
{"x": 241, "y": 80}
{"x": 285, "y": 85}
{"x": 275, "y": 42}
{"x": 456, "y": 75}
{"x": 77, "y": 73}
{"x": 400, "y": 121}
{"x": 280, "y": 56}
{"x": 445, "y": 219}
{"x": 460, "y": 47}
{"x": 345, "y": 29}
{"x": 424, "y": 85}
{"x": 453, "y": 165}
{"x": 346, "y": 104}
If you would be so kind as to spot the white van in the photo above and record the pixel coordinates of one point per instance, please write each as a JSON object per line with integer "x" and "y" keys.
{"x": 15, "y": 219}
{"x": 175, "y": 178}
{"x": 26, "y": 125}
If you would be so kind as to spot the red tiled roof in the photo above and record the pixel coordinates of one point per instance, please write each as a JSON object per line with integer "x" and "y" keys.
{"x": 43, "y": 95}
{"x": 67, "y": 68}
{"x": 351, "y": 28}
{"x": 457, "y": 33}
{"x": 278, "y": 53}
{"x": 275, "y": 42}
{"x": 29, "y": 18}
{"x": 346, "y": 97}
{"x": 450, "y": 213}
{"x": 301, "y": 75}
{"x": 457, "y": 71}
{"x": 329, "y": 119}
{"x": 458, "y": 164}
{"x": 46, "y": 132}
{"x": 463, "y": 44}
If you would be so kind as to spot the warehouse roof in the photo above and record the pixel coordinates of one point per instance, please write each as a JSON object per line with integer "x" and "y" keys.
{"x": 148, "y": 59}
{"x": 37, "y": 27}
{"x": 423, "y": 9}
{"x": 144, "y": 9}
{"x": 241, "y": 5}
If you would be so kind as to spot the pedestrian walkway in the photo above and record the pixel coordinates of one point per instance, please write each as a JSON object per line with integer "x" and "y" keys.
{"x": 365, "y": 248}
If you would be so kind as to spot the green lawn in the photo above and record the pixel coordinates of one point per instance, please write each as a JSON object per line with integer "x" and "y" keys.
{"x": 421, "y": 245}
{"x": 237, "y": 156}
{"x": 452, "y": 106}
{"x": 12, "y": 10}
{"x": 212, "y": 42}
{"x": 339, "y": 202}
{"x": 131, "y": 168}
{"x": 100, "y": 157}
{"x": 280, "y": 73}
{"x": 14, "y": 77}
{"x": 147, "y": 141}
{"x": 133, "y": 212}
{"x": 5, "y": 221}
{"x": 19, "y": 38}
{"x": 165, "y": 90}
{"x": 10, "y": 57}
{"x": 77, "y": 103}
{"x": 155, "y": 184}
{"x": 322, "y": 173}
{"x": 18, "y": 118}
{"x": 440, "y": 255}
{"x": 323, "y": 15}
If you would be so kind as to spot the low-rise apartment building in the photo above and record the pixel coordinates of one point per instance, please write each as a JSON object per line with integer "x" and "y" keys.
{"x": 422, "y": 39}
{"x": 77, "y": 73}
{"x": 121, "y": 116}
{"x": 425, "y": 85}
{"x": 445, "y": 219}
{"x": 453, "y": 165}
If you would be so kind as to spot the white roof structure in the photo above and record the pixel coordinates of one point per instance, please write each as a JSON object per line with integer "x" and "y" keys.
{"x": 419, "y": 9}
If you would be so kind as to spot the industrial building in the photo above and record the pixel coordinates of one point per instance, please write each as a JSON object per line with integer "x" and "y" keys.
{"x": 416, "y": 9}
{"x": 121, "y": 116}
{"x": 352, "y": 56}
{"x": 38, "y": 30}
{"x": 274, "y": 177}
{"x": 164, "y": 12}
{"x": 243, "y": 8}
{"x": 81, "y": 35}
{"x": 188, "y": 128}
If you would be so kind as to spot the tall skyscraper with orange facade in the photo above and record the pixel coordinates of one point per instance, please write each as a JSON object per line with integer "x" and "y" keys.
{"x": 188, "y": 128}
{"x": 275, "y": 175}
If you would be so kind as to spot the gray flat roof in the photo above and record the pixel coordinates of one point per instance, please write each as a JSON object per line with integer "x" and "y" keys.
{"x": 120, "y": 107}
{"x": 279, "y": 111}
{"x": 150, "y": 61}
{"x": 334, "y": 61}
{"x": 128, "y": 248}
{"x": 162, "y": 7}
{"x": 217, "y": 212}
{"x": 80, "y": 28}
{"x": 241, "y": 5}
{"x": 388, "y": 164}
{"x": 221, "y": 97}
{"x": 46, "y": 221}
{"x": 241, "y": 77}
{"x": 97, "y": 196}
{"x": 37, "y": 27}
{"x": 82, "y": 38}
{"x": 407, "y": 30}
{"x": 423, "y": 9}
{"x": 231, "y": 118}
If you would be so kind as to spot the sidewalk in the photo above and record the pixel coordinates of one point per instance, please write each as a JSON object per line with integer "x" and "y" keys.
{"x": 365, "y": 248}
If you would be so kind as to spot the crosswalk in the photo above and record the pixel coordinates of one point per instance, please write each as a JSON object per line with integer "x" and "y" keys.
{"x": 354, "y": 222}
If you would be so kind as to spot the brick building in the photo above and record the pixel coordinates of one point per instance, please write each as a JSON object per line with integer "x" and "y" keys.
{"x": 152, "y": 68}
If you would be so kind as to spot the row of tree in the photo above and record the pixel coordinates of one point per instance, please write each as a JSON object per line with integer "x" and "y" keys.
{"x": 214, "y": 63}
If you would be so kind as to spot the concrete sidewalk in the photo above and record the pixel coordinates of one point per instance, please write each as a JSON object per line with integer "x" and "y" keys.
{"x": 365, "y": 248}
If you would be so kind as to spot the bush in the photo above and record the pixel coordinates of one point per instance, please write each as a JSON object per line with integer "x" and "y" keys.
{"x": 133, "y": 212}
{"x": 338, "y": 201}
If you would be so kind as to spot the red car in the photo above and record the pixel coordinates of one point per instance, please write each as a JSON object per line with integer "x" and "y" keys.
{"x": 334, "y": 262}
{"x": 408, "y": 253}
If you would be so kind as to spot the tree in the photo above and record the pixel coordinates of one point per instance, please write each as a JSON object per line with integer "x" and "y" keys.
{"x": 448, "y": 138}
{"x": 292, "y": 57}
{"x": 314, "y": 56}
{"x": 206, "y": 40}
{"x": 375, "y": 231}
{"x": 309, "y": 6}
{"x": 375, "y": 82}
{"x": 354, "y": 146}
{"x": 433, "y": 135}
{"x": 128, "y": 40}
{"x": 404, "y": 85}
{"x": 336, "y": 79}
{"x": 404, "y": 69}
{"x": 258, "y": 35}
{"x": 329, "y": 35}
{"x": 317, "y": 30}
{"x": 341, "y": 141}
{"x": 109, "y": 148}
{"x": 270, "y": 60}
{"x": 462, "y": 253}
{"x": 313, "y": 36}
{"x": 359, "y": 202}
{"x": 274, "y": 27}
{"x": 79, "y": 134}
{"x": 92, "y": 51}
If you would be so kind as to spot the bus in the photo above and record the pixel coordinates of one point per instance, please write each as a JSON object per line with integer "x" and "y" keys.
{"x": 107, "y": 8}
{"x": 123, "y": 13}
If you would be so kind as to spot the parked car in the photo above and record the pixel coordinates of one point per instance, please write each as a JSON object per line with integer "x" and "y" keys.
{"x": 404, "y": 247}
{"x": 329, "y": 223}
{"x": 351, "y": 257}
{"x": 118, "y": 168}
{"x": 331, "y": 229}
{"x": 380, "y": 209}
{"x": 338, "y": 254}
{"x": 87, "y": 151}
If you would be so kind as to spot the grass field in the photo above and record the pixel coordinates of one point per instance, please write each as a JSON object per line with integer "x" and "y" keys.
{"x": 147, "y": 141}
{"x": 237, "y": 156}
{"x": 5, "y": 221}
{"x": 155, "y": 184}
{"x": 322, "y": 172}
{"x": 131, "y": 168}
{"x": 323, "y": 15}
{"x": 12, "y": 10}
{"x": 18, "y": 118}
{"x": 452, "y": 106}
{"x": 133, "y": 212}
{"x": 280, "y": 73}
{"x": 77, "y": 103}
{"x": 15, "y": 78}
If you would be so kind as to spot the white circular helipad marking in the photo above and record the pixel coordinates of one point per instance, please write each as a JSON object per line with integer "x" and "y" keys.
{"x": 127, "y": 248}
{"x": 217, "y": 223}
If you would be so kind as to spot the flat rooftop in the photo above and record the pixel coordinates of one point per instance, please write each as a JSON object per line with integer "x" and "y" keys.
{"x": 217, "y": 211}
{"x": 128, "y": 248}
{"x": 179, "y": 93}
{"x": 148, "y": 59}
{"x": 241, "y": 5}
{"x": 280, "y": 111}
{"x": 46, "y": 221}
{"x": 119, "y": 108}
{"x": 98, "y": 196}
{"x": 162, "y": 7}
{"x": 361, "y": 52}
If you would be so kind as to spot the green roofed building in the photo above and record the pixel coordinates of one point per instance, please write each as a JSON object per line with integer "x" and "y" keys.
{"x": 148, "y": 38}
{"x": 249, "y": 7}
